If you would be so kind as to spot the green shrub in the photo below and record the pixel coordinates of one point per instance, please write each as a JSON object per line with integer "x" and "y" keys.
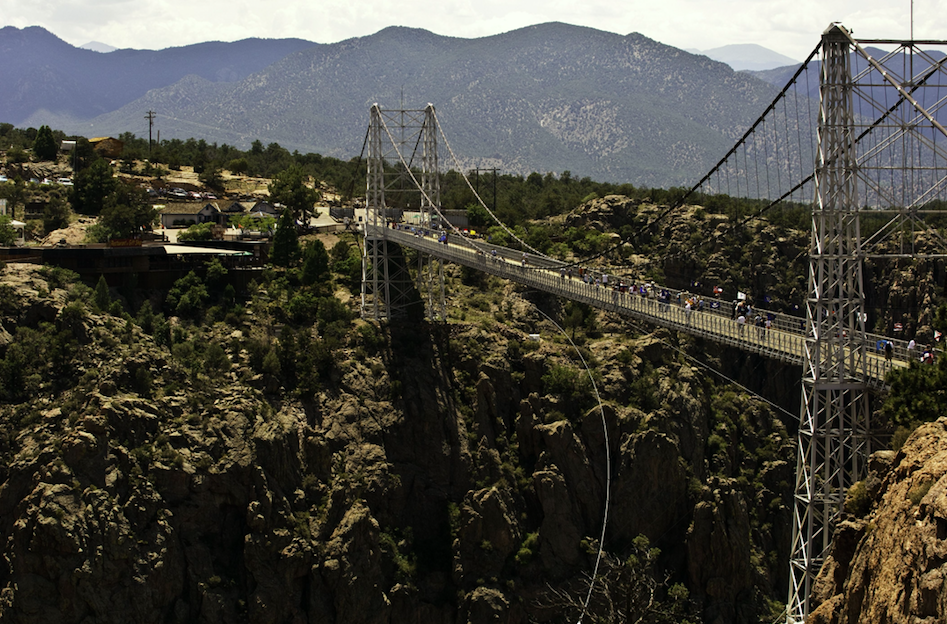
{"x": 527, "y": 549}
{"x": 102, "y": 297}
{"x": 919, "y": 491}
{"x": 215, "y": 359}
{"x": 857, "y": 501}
{"x": 188, "y": 296}
{"x": 197, "y": 232}
{"x": 901, "y": 435}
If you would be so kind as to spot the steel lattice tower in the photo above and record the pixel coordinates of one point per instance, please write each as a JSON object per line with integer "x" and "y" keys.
{"x": 833, "y": 438}
{"x": 402, "y": 175}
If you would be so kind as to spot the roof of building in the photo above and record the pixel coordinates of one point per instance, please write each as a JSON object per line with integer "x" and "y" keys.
{"x": 184, "y": 208}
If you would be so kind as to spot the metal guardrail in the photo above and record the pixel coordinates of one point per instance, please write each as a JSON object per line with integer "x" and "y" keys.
{"x": 784, "y": 340}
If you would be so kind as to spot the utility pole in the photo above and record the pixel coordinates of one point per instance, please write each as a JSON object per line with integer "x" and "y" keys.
{"x": 151, "y": 120}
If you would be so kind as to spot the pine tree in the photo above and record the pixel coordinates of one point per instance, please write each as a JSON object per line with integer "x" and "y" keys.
{"x": 102, "y": 297}
{"x": 285, "y": 242}
{"x": 44, "y": 145}
{"x": 315, "y": 263}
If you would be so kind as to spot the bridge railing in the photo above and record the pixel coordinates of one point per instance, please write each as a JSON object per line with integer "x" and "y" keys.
{"x": 783, "y": 340}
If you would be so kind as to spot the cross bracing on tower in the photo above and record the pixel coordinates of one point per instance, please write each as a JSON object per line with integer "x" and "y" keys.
{"x": 402, "y": 175}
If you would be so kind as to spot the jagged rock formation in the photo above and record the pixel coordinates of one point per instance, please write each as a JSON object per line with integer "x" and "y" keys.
{"x": 444, "y": 473}
{"x": 890, "y": 565}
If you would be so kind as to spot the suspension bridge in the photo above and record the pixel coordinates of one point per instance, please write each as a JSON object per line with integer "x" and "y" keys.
{"x": 856, "y": 134}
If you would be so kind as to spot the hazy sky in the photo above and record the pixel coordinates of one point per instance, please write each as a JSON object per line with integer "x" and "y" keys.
{"x": 791, "y": 27}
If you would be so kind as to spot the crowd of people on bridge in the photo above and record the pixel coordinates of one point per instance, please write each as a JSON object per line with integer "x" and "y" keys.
{"x": 742, "y": 311}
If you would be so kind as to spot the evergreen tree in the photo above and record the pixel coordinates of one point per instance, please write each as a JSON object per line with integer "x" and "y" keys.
{"x": 315, "y": 263}
{"x": 289, "y": 188}
{"x": 56, "y": 213}
{"x": 15, "y": 192}
{"x": 285, "y": 250}
{"x": 7, "y": 231}
{"x": 125, "y": 214}
{"x": 212, "y": 177}
{"x": 102, "y": 297}
{"x": 44, "y": 146}
{"x": 92, "y": 186}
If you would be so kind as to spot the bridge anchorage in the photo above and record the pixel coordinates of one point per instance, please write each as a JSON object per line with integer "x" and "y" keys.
{"x": 875, "y": 158}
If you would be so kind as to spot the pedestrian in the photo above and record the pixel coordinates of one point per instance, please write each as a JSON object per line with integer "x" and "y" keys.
{"x": 889, "y": 351}
{"x": 741, "y": 323}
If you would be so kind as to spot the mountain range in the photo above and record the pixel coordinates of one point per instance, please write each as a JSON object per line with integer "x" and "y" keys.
{"x": 548, "y": 98}
{"x": 748, "y": 56}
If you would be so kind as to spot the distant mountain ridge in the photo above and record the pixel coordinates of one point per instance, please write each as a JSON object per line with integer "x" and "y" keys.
{"x": 748, "y": 56}
{"x": 98, "y": 46}
{"x": 41, "y": 72}
{"x": 551, "y": 97}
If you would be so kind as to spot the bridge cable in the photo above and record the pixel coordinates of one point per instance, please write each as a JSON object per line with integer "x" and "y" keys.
{"x": 773, "y": 203}
{"x": 477, "y": 195}
{"x": 472, "y": 242}
{"x": 608, "y": 466}
{"x": 430, "y": 201}
{"x": 601, "y": 544}
{"x": 757, "y": 150}
{"x": 890, "y": 111}
{"x": 802, "y": 67}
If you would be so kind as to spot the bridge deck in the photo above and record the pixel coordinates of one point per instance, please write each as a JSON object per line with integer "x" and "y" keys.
{"x": 784, "y": 341}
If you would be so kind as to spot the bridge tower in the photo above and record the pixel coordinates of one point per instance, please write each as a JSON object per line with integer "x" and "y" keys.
{"x": 833, "y": 437}
{"x": 402, "y": 177}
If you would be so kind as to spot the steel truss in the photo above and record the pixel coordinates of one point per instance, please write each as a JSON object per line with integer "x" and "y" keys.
{"x": 833, "y": 437}
{"x": 876, "y": 156}
{"x": 402, "y": 175}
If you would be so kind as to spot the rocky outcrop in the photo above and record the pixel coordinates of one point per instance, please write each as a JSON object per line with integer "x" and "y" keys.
{"x": 719, "y": 550}
{"x": 435, "y": 476}
{"x": 890, "y": 565}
